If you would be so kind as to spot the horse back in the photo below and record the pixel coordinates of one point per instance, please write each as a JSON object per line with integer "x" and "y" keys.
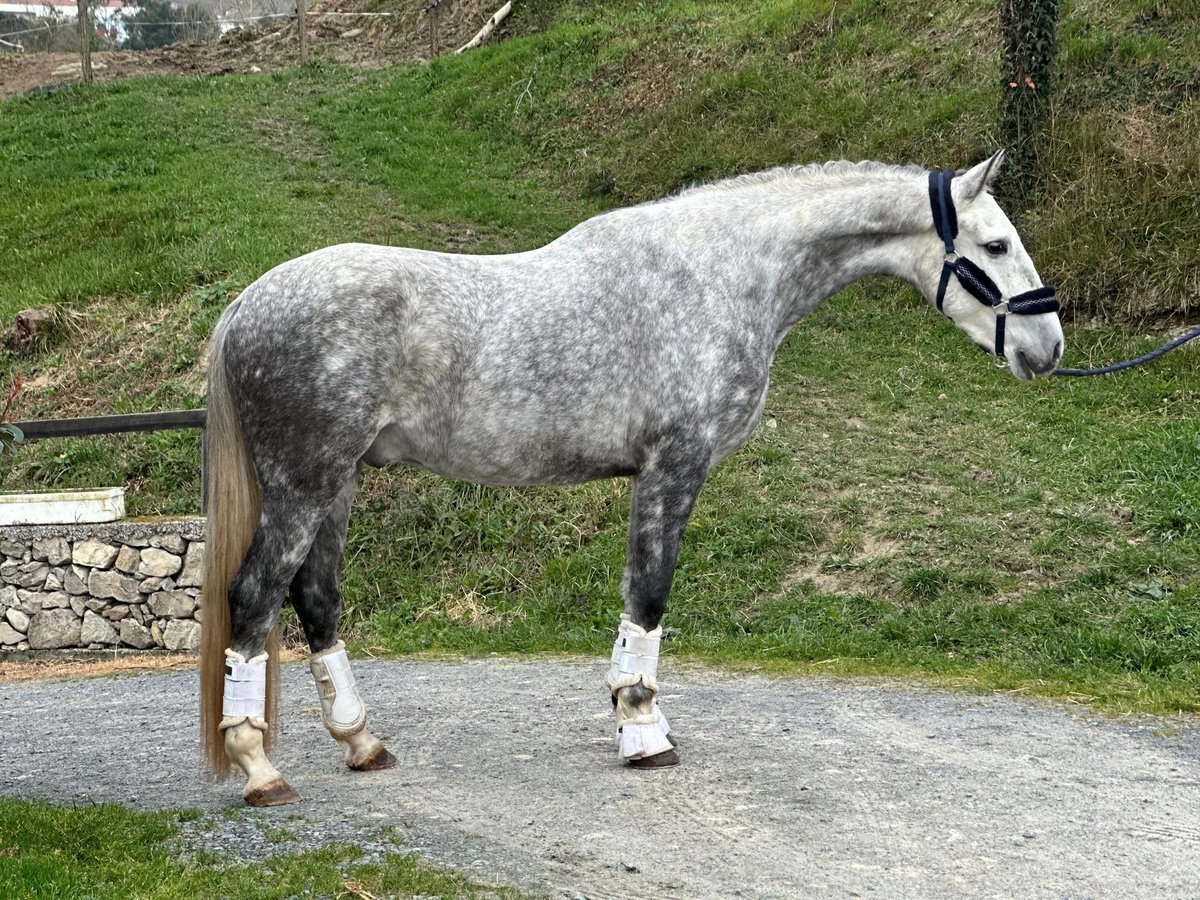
{"x": 556, "y": 365}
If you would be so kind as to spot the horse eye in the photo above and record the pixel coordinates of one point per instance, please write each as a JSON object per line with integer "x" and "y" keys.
{"x": 996, "y": 248}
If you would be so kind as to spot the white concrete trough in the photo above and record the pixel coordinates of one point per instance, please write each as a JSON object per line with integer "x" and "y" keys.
{"x": 62, "y": 507}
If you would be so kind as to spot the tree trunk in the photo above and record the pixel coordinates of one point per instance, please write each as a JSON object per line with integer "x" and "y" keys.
{"x": 1030, "y": 29}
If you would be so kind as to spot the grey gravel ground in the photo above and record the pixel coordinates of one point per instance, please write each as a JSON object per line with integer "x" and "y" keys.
{"x": 789, "y": 787}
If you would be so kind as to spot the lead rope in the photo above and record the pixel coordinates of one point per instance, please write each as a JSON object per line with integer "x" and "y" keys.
{"x": 977, "y": 283}
{"x": 1130, "y": 363}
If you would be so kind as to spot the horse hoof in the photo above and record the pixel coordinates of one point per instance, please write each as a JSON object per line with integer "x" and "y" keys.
{"x": 671, "y": 740}
{"x": 657, "y": 761}
{"x": 274, "y": 793}
{"x": 380, "y": 759}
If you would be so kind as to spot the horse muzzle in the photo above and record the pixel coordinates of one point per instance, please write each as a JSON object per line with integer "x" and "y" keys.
{"x": 1029, "y": 365}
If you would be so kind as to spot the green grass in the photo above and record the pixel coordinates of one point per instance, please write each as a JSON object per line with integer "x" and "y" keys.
{"x": 904, "y": 507}
{"x": 110, "y": 852}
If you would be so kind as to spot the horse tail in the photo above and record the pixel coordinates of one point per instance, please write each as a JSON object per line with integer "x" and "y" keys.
{"x": 234, "y": 504}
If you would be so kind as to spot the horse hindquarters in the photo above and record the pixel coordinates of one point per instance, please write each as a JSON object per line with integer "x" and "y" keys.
{"x": 664, "y": 492}
{"x": 261, "y": 531}
{"x": 244, "y": 574}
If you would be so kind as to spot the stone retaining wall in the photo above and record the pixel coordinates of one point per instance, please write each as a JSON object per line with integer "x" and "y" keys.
{"x": 122, "y": 584}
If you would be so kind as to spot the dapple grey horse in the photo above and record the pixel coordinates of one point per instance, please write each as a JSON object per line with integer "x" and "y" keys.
{"x": 637, "y": 344}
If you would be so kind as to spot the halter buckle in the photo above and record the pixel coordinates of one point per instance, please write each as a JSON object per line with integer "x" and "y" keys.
{"x": 951, "y": 257}
{"x": 1001, "y": 308}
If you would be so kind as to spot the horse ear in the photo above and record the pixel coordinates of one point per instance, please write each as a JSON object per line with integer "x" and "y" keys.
{"x": 979, "y": 178}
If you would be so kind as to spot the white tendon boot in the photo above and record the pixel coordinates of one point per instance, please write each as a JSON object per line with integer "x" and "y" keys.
{"x": 243, "y": 712}
{"x": 343, "y": 710}
{"x": 642, "y": 735}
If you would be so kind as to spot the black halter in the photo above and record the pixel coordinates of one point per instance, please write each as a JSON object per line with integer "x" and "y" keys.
{"x": 970, "y": 276}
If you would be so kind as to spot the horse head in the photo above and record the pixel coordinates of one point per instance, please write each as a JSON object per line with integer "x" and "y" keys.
{"x": 988, "y": 285}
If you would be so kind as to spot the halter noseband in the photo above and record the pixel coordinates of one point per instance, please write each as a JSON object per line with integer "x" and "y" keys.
{"x": 970, "y": 276}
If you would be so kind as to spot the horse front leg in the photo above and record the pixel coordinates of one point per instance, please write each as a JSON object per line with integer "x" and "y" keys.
{"x": 664, "y": 493}
{"x": 316, "y": 596}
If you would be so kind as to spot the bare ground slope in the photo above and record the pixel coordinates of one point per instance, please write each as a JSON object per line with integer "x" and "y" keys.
{"x": 335, "y": 35}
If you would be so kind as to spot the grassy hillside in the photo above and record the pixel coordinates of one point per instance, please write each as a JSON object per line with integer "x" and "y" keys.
{"x": 904, "y": 507}
{"x": 152, "y": 187}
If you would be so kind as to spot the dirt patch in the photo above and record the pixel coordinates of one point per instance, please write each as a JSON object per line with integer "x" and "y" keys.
{"x": 134, "y": 349}
{"x": 653, "y": 77}
{"x": 58, "y": 669}
{"x": 855, "y": 576}
{"x": 35, "y": 329}
{"x": 118, "y": 663}
{"x": 337, "y": 34}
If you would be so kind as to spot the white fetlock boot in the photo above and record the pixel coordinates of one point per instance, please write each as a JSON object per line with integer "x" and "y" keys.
{"x": 344, "y": 712}
{"x": 642, "y": 733}
{"x": 244, "y": 711}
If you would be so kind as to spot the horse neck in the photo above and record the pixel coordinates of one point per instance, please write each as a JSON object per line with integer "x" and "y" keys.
{"x": 819, "y": 238}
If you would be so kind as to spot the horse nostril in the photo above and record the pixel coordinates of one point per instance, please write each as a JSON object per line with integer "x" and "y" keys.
{"x": 1058, "y": 348}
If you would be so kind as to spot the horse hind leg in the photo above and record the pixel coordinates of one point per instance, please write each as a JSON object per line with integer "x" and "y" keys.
{"x": 664, "y": 493}
{"x": 285, "y": 530}
{"x": 316, "y": 596}
{"x": 244, "y": 726}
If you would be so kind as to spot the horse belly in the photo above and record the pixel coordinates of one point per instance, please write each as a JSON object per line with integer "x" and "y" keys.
{"x": 498, "y": 458}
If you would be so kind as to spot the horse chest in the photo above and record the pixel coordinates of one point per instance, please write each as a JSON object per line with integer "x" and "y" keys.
{"x": 741, "y": 418}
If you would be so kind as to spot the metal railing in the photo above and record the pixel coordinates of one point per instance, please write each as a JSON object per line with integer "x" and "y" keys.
{"x": 174, "y": 420}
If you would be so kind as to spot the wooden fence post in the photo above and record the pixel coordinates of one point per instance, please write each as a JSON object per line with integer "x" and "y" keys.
{"x": 430, "y": 9}
{"x": 301, "y": 26}
{"x": 85, "y": 39}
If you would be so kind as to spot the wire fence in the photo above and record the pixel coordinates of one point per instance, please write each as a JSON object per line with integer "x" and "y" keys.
{"x": 51, "y": 25}
{"x": 156, "y": 23}
{"x": 114, "y": 29}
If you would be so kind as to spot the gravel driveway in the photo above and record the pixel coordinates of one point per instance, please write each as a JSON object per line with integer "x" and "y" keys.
{"x": 788, "y": 788}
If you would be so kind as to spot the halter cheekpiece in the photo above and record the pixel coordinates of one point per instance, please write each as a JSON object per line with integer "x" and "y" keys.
{"x": 970, "y": 276}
